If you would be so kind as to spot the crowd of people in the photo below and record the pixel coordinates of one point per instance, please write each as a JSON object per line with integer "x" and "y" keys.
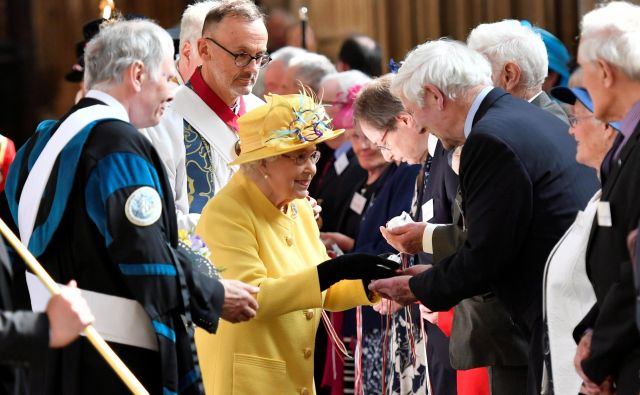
{"x": 235, "y": 215}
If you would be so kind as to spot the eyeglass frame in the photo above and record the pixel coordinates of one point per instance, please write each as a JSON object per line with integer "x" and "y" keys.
{"x": 380, "y": 142}
{"x": 573, "y": 120}
{"x": 257, "y": 58}
{"x": 300, "y": 161}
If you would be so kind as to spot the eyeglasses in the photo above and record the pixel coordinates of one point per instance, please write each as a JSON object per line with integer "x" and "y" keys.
{"x": 242, "y": 59}
{"x": 381, "y": 144}
{"x": 302, "y": 158}
{"x": 573, "y": 120}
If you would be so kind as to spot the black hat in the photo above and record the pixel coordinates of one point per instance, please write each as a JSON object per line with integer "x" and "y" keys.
{"x": 89, "y": 30}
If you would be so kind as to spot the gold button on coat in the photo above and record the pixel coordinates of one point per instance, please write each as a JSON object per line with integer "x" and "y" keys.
{"x": 289, "y": 240}
{"x": 309, "y": 314}
{"x": 304, "y": 391}
{"x": 307, "y": 353}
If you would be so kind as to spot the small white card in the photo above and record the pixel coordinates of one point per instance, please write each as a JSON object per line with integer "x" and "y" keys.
{"x": 427, "y": 211}
{"x": 399, "y": 220}
{"x": 604, "y": 214}
{"x": 358, "y": 202}
{"x": 341, "y": 163}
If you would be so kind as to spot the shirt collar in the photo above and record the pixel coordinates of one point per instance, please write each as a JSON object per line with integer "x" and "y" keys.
{"x": 342, "y": 149}
{"x": 534, "y": 97}
{"x": 214, "y": 101}
{"x": 109, "y": 101}
{"x": 468, "y": 123}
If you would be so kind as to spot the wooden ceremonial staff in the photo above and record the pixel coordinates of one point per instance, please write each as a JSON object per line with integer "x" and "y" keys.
{"x": 91, "y": 333}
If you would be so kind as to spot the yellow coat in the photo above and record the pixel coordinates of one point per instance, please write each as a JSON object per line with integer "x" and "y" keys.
{"x": 253, "y": 241}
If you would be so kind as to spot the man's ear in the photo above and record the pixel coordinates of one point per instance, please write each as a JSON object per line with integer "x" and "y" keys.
{"x": 204, "y": 50}
{"x": 185, "y": 51}
{"x": 607, "y": 73}
{"x": 511, "y": 74}
{"x": 135, "y": 75}
{"x": 433, "y": 95}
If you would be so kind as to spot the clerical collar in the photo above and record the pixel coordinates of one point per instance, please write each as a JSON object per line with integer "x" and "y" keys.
{"x": 211, "y": 99}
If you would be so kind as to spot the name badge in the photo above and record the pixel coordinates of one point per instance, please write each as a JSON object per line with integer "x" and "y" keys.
{"x": 604, "y": 214}
{"x": 358, "y": 202}
{"x": 427, "y": 210}
{"x": 341, "y": 163}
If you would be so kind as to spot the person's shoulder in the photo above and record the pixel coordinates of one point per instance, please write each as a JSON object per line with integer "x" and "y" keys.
{"x": 111, "y": 136}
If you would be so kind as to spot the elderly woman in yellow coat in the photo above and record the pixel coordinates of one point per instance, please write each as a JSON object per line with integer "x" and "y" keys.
{"x": 261, "y": 230}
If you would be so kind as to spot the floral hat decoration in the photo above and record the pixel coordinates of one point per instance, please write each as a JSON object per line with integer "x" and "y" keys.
{"x": 284, "y": 124}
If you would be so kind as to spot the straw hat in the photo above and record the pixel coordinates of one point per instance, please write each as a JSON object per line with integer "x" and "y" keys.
{"x": 284, "y": 124}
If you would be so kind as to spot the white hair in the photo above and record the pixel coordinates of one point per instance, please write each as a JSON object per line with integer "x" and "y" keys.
{"x": 285, "y": 54}
{"x": 311, "y": 68}
{"x": 120, "y": 44}
{"x": 347, "y": 79}
{"x": 193, "y": 20}
{"x": 510, "y": 42}
{"x": 449, "y": 65}
{"x": 612, "y": 33}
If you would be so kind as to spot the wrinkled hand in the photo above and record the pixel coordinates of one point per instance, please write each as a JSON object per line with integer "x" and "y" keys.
{"x": 343, "y": 241}
{"x": 582, "y": 353}
{"x": 317, "y": 209}
{"x": 631, "y": 244}
{"x": 239, "y": 305}
{"x": 405, "y": 238}
{"x": 386, "y": 306}
{"x": 394, "y": 288}
{"x": 68, "y": 315}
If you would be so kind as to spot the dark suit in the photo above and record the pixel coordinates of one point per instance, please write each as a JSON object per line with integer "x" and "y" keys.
{"x": 24, "y": 335}
{"x": 615, "y": 347}
{"x": 521, "y": 189}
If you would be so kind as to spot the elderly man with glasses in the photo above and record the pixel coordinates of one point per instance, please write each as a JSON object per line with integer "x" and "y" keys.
{"x": 197, "y": 137}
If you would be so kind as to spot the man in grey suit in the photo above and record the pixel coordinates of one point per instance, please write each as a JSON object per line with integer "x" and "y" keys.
{"x": 519, "y": 61}
{"x": 25, "y": 336}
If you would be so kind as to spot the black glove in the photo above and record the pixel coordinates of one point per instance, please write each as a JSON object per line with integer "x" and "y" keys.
{"x": 353, "y": 267}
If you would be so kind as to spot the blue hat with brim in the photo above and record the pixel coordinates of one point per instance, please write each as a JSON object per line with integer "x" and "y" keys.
{"x": 557, "y": 53}
{"x": 570, "y": 95}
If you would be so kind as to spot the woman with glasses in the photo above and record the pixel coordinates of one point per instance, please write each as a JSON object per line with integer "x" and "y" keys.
{"x": 261, "y": 230}
{"x": 568, "y": 293}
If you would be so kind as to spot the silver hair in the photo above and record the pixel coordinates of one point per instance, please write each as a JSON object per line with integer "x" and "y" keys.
{"x": 510, "y": 42}
{"x": 346, "y": 79}
{"x": 193, "y": 20}
{"x": 311, "y": 68}
{"x": 120, "y": 44}
{"x": 285, "y": 54}
{"x": 449, "y": 65}
{"x": 252, "y": 167}
{"x": 612, "y": 33}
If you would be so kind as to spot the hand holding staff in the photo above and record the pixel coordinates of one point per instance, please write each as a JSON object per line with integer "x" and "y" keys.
{"x": 94, "y": 337}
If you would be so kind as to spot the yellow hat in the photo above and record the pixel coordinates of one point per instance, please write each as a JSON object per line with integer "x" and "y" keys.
{"x": 284, "y": 124}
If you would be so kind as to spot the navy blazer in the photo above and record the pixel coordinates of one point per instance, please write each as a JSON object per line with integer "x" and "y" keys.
{"x": 521, "y": 189}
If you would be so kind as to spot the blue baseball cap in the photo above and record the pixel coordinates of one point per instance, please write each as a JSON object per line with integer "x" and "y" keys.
{"x": 570, "y": 95}
{"x": 557, "y": 53}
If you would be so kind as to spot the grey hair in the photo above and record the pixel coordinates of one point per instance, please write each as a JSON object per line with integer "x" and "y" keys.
{"x": 311, "y": 68}
{"x": 376, "y": 106}
{"x": 346, "y": 79}
{"x": 119, "y": 44}
{"x": 193, "y": 20}
{"x": 612, "y": 33}
{"x": 509, "y": 41}
{"x": 245, "y": 9}
{"x": 252, "y": 167}
{"x": 285, "y": 54}
{"x": 449, "y": 65}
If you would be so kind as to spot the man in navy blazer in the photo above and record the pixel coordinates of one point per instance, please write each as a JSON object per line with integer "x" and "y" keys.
{"x": 521, "y": 188}
{"x": 609, "y": 343}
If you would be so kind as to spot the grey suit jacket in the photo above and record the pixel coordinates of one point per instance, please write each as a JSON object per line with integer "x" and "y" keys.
{"x": 544, "y": 102}
{"x": 482, "y": 332}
